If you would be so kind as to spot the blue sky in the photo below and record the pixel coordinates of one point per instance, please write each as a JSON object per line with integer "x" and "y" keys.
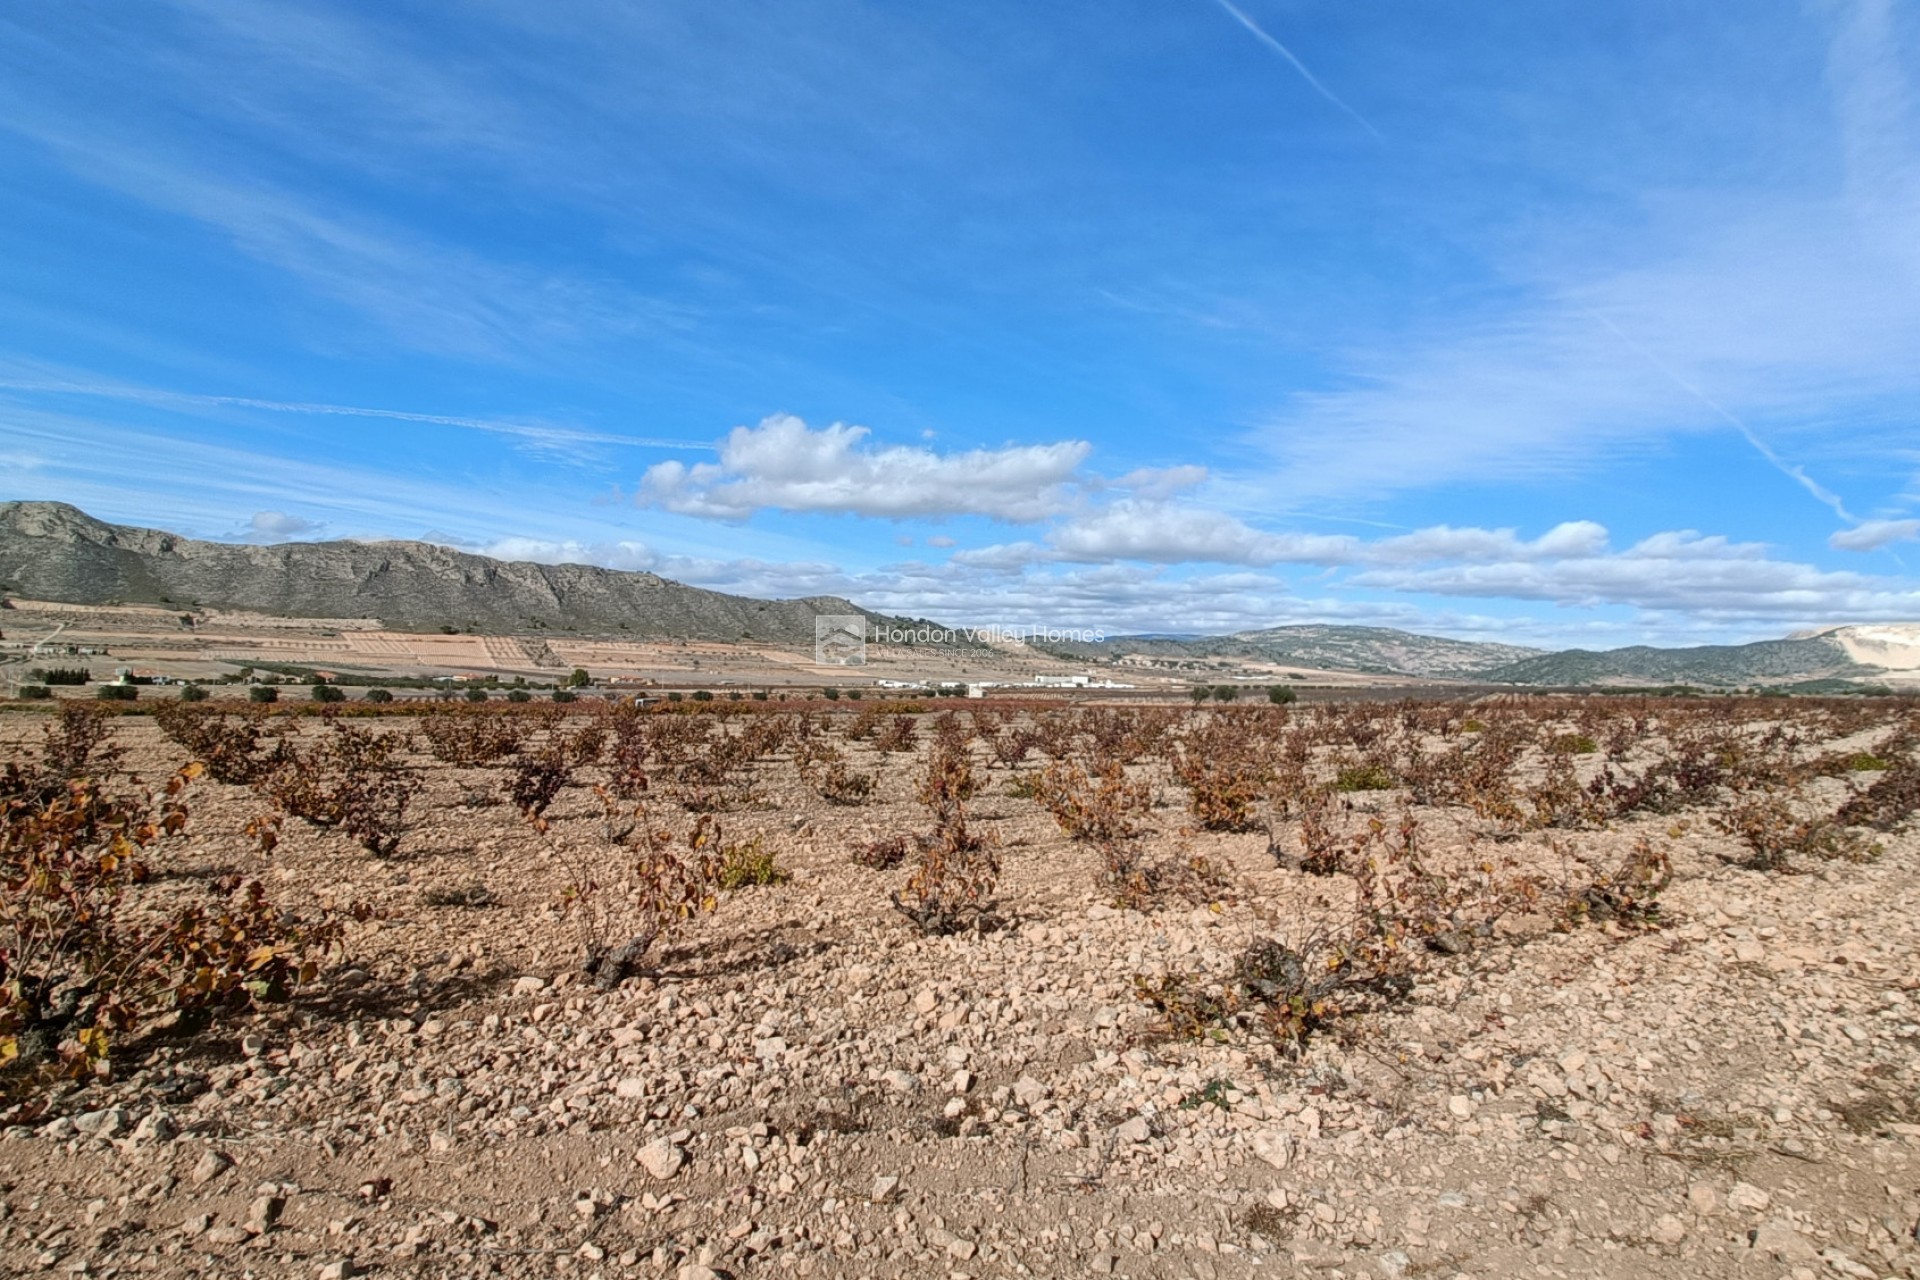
{"x": 1555, "y": 323}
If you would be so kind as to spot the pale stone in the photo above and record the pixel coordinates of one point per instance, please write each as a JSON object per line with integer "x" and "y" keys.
{"x": 661, "y": 1159}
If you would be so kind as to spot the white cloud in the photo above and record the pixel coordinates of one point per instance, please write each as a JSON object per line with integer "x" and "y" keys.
{"x": 1444, "y": 542}
{"x": 278, "y": 524}
{"x": 1159, "y": 483}
{"x": 1871, "y": 535}
{"x": 1700, "y": 578}
{"x": 785, "y": 465}
{"x": 1691, "y": 544}
{"x": 1160, "y": 533}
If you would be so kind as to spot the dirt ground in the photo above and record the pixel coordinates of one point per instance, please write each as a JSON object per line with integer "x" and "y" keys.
{"x": 805, "y": 1084}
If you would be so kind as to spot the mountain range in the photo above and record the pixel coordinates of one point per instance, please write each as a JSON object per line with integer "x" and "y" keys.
{"x": 52, "y": 551}
{"x": 56, "y": 552}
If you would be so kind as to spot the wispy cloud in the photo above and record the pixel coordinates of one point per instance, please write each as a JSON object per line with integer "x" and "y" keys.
{"x": 1871, "y": 535}
{"x": 1768, "y": 306}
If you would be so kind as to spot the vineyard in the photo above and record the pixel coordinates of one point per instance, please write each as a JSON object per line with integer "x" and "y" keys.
{"x": 1589, "y": 984}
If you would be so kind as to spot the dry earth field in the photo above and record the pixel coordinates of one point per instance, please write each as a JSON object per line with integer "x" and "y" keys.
{"x": 1531, "y": 1054}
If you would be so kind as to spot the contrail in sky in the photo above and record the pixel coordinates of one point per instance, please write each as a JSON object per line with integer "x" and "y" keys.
{"x": 1791, "y": 470}
{"x": 1296, "y": 64}
{"x": 533, "y": 432}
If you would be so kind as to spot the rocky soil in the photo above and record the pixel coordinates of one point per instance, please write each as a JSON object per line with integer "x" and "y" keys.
{"x": 805, "y": 1085}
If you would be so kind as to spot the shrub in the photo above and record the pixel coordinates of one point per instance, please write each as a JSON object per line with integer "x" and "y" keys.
{"x": 898, "y": 735}
{"x": 263, "y": 693}
{"x": 1573, "y": 744}
{"x": 759, "y": 695}
{"x": 193, "y": 693}
{"x": 1364, "y": 777}
{"x": 1289, "y": 990}
{"x": 562, "y": 695}
{"x": 519, "y": 695}
{"x": 1225, "y": 693}
{"x": 76, "y": 743}
{"x": 855, "y": 694}
{"x": 1010, "y": 745}
{"x": 748, "y": 864}
{"x": 703, "y": 695}
{"x": 377, "y": 695}
{"x": 328, "y": 693}
{"x": 824, "y": 767}
{"x": 476, "y": 694}
{"x": 831, "y": 694}
{"x": 1280, "y": 694}
{"x": 34, "y": 692}
{"x": 117, "y": 693}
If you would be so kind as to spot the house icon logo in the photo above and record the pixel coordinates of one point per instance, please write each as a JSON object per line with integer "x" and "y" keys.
{"x": 839, "y": 640}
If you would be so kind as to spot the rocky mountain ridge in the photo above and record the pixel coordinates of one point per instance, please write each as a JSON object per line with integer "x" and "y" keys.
{"x": 53, "y": 551}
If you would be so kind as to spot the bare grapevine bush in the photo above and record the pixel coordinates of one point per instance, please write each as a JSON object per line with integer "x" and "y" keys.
{"x": 1776, "y": 837}
{"x": 353, "y": 779}
{"x": 474, "y": 737}
{"x": 1887, "y": 804}
{"x": 536, "y": 777}
{"x": 951, "y": 888}
{"x": 884, "y": 854}
{"x": 1226, "y": 770}
{"x": 1630, "y": 896}
{"x": 1102, "y": 808}
{"x": 79, "y": 971}
{"x": 234, "y": 746}
{"x": 824, "y": 767}
{"x": 1010, "y": 744}
{"x": 645, "y": 879}
{"x": 77, "y": 743}
{"x": 629, "y": 751}
{"x": 898, "y": 734}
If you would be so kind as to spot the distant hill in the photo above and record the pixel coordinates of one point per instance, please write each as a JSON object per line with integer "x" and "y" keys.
{"x": 1764, "y": 662}
{"x": 1887, "y": 653}
{"x": 1380, "y": 650}
{"x": 52, "y": 551}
